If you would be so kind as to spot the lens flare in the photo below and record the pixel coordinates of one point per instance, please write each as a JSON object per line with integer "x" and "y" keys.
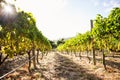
{"x": 8, "y": 9}
{"x": 7, "y": 13}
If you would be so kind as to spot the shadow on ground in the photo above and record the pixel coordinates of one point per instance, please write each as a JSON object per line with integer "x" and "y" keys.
{"x": 111, "y": 63}
{"x": 68, "y": 70}
{"x": 9, "y": 65}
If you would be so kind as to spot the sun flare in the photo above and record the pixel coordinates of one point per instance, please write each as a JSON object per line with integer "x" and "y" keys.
{"x": 8, "y": 9}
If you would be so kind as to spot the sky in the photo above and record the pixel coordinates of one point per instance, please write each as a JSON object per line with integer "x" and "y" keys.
{"x": 65, "y": 18}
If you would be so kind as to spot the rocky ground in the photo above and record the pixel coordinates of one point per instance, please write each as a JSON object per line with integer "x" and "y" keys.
{"x": 57, "y": 66}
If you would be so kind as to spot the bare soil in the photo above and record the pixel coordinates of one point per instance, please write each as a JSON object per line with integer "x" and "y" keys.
{"x": 57, "y": 66}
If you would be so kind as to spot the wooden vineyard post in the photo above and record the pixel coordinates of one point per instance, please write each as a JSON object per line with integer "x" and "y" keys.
{"x": 93, "y": 49}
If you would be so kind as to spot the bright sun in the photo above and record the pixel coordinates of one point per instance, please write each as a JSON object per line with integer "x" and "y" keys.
{"x": 7, "y": 12}
{"x": 8, "y": 9}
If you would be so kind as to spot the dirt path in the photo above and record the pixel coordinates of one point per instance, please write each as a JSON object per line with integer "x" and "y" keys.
{"x": 60, "y": 67}
{"x": 72, "y": 71}
{"x": 65, "y": 67}
{"x": 57, "y": 66}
